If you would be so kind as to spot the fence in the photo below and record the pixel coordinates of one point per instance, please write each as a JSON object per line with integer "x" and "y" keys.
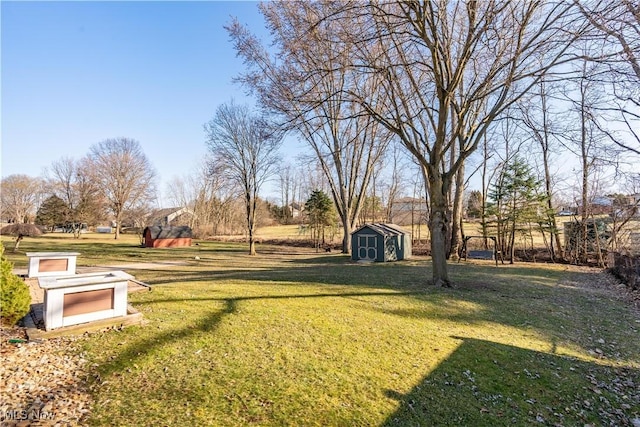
{"x": 626, "y": 268}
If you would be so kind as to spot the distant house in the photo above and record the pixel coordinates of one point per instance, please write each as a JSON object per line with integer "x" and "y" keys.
{"x": 409, "y": 210}
{"x": 295, "y": 209}
{"x": 380, "y": 242}
{"x": 171, "y": 217}
{"x": 166, "y": 237}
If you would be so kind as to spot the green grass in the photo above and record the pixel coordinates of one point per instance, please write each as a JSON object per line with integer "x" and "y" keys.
{"x": 294, "y": 338}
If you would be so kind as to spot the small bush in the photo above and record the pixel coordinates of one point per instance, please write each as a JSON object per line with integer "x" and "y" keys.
{"x": 15, "y": 298}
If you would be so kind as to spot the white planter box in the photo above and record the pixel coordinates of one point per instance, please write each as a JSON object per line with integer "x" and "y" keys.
{"x": 84, "y": 298}
{"x": 44, "y": 264}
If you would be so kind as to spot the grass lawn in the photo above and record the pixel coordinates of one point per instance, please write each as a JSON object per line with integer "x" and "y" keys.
{"x": 291, "y": 337}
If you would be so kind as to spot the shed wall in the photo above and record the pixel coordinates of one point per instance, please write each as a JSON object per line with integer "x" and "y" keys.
{"x": 388, "y": 247}
{"x": 171, "y": 243}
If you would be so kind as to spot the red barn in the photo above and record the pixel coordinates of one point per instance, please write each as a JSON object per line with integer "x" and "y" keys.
{"x": 167, "y": 237}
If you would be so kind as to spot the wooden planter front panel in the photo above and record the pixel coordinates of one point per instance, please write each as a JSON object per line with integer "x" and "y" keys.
{"x": 43, "y": 264}
{"x": 50, "y": 265}
{"x": 87, "y": 302}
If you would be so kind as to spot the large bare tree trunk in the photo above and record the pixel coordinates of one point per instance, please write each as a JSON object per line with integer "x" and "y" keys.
{"x": 439, "y": 227}
{"x": 346, "y": 236}
{"x": 456, "y": 222}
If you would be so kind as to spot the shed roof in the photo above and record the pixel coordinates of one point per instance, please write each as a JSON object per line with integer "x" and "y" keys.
{"x": 383, "y": 229}
{"x": 157, "y": 232}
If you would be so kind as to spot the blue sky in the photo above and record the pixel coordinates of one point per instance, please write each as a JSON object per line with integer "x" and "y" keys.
{"x": 76, "y": 73}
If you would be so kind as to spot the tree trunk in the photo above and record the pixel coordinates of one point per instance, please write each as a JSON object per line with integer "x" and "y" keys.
{"x": 346, "y": 237}
{"x": 18, "y": 240}
{"x": 512, "y": 231}
{"x": 250, "y": 198}
{"x": 555, "y": 235}
{"x": 439, "y": 228}
{"x": 252, "y": 244}
{"x": 118, "y": 224}
{"x": 585, "y": 211}
{"x": 483, "y": 214}
{"x": 456, "y": 222}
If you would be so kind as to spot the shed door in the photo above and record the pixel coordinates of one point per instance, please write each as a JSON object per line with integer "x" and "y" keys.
{"x": 367, "y": 247}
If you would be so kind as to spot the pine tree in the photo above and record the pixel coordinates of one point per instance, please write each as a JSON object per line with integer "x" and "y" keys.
{"x": 53, "y": 211}
{"x": 319, "y": 209}
{"x": 517, "y": 203}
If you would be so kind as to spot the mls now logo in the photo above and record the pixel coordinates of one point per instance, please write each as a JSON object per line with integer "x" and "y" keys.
{"x": 33, "y": 414}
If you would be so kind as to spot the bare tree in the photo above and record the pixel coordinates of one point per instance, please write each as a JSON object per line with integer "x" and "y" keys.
{"x": 346, "y": 142}
{"x": 245, "y": 148}
{"x": 20, "y": 195}
{"x": 616, "y": 28}
{"x": 588, "y": 143}
{"x": 445, "y": 72}
{"x": 538, "y": 117}
{"x": 208, "y": 194}
{"x": 287, "y": 190}
{"x": 124, "y": 175}
{"x": 74, "y": 182}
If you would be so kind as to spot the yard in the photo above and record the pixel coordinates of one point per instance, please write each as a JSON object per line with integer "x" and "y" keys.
{"x": 292, "y": 337}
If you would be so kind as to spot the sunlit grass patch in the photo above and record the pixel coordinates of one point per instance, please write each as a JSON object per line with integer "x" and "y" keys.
{"x": 314, "y": 339}
{"x": 285, "y": 341}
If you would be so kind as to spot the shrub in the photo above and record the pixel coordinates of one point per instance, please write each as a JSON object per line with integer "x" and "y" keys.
{"x": 15, "y": 298}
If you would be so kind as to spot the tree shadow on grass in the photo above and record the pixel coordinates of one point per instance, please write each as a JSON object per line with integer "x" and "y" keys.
{"x": 336, "y": 272}
{"x": 496, "y": 295}
{"x": 484, "y": 383}
{"x": 208, "y": 323}
{"x": 506, "y": 296}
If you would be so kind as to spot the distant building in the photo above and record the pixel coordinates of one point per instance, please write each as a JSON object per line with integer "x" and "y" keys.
{"x": 380, "y": 242}
{"x": 171, "y": 217}
{"x": 409, "y": 210}
{"x": 296, "y": 209}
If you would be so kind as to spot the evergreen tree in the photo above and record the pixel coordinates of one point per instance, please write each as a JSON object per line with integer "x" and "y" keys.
{"x": 15, "y": 298}
{"x": 517, "y": 204}
{"x": 319, "y": 209}
{"x": 53, "y": 211}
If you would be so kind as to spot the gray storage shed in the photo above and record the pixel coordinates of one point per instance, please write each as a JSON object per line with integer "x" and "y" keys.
{"x": 380, "y": 242}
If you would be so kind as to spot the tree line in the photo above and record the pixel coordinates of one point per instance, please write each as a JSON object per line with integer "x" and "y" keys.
{"x": 396, "y": 98}
{"x": 114, "y": 178}
{"x": 447, "y": 80}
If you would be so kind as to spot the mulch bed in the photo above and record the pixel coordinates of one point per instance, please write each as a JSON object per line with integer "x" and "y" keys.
{"x": 44, "y": 383}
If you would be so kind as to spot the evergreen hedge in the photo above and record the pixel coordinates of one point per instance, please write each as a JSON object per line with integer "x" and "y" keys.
{"x": 15, "y": 298}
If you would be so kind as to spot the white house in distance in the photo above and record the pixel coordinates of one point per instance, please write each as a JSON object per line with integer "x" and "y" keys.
{"x": 171, "y": 217}
{"x": 409, "y": 210}
{"x": 296, "y": 209}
